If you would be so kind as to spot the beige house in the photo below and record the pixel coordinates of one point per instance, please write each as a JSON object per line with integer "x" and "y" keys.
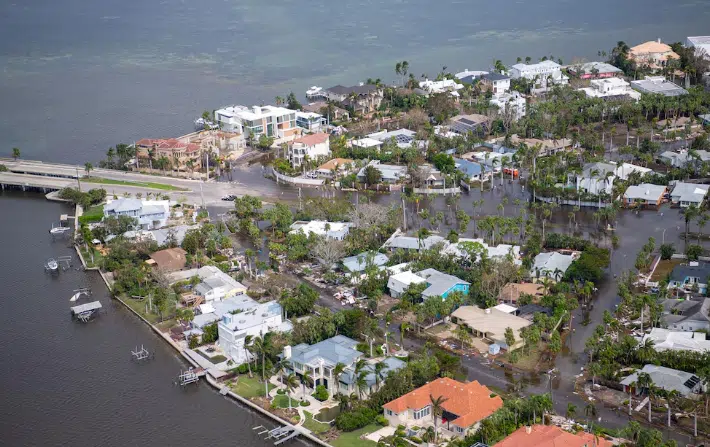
{"x": 490, "y": 324}
{"x": 654, "y": 54}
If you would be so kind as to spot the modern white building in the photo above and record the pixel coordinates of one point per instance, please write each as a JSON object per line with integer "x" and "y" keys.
{"x": 313, "y": 146}
{"x": 701, "y": 45}
{"x": 310, "y": 121}
{"x": 667, "y": 340}
{"x": 545, "y": 74}
{"x": 255, "y": 321}
{"x": 404, "y": 138}
{"x": 595, "y": 178}
{"x": 150, "y": 214}
{"x": 272, "y": 121}
{"x": 366, "y": 143}
{"x": 658, "y": 85}
{"x": 513, "y": 103}
{"x": 498, "y": 252}
{"x": 610, "y": 88}
{"x": 330, "y": 230}
{"x": 445, "y": 85}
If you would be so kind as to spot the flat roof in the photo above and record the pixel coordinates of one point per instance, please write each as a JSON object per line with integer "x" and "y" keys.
{"x": 659, "y": 85}
{"x": 86, "y": 307}
{"x": 491, "y": 321}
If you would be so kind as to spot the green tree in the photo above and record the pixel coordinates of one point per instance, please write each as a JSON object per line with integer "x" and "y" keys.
{"x": 437, "y": 410}
{"x": 509, "y": 338}
{"x": 292, "y": 102}
{"x": 291, "y": 383}
{"x": 15, "y": 153}
{"x": 88, "y": 167}
{"x": 372, "y": 175}
{"x": 667, "y": 251}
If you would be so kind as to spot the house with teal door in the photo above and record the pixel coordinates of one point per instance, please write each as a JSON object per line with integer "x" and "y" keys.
{"x": 442, "y": 284}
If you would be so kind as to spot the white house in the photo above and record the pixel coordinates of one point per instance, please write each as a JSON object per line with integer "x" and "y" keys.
{"x": 552, "y": 265}
{"x": 275, "y": 122}
{"x": 255, "y": 321}
{"x": 497, "y": 83}
{"x": 626, "y": 169}
{"x": 667, "y": 340}
{"x": 595, "y": 178}
{"x": 330, "y": 230}
{"x": 701, "y": 45}
{"x": 686, "y": 194}
{"x": 310, "y": 121}
{"x": 610, "y": 88}
{"x": 150, "y": 214}
{"x": 400, "y": 282}
{"x": 445, "y": 85}
{"x": 216, "y": 285}
{"x": 544, "y": 74}
{"x": 312, "y": 146}
{"x": 402, "y": 137}
{"x": 513, "y": 103}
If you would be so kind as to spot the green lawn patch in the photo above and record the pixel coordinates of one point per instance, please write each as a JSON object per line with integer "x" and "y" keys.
{"x": 249, "y": 387}
{"x": 214, "y": 359}
{"x": 352, "y": 439}
{"x": 281, "y": 401}
{"x": 93, "y": 214}
{"x": 153, "y": 185}
{"x": 313, "y": 425}
{"x": 98, "y": 257}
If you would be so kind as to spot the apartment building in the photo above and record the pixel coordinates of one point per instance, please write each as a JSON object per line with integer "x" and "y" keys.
{"x": 275, "y": 122}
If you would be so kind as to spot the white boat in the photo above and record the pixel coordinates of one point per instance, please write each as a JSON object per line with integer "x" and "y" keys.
{"x": 76, "y": 296}
{"x": 315, "y": 92}
{"x": 59, "y": 230}
{"x": 52, "y": 265}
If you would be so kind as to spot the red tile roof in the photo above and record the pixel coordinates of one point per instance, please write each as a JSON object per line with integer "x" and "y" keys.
{"x": 313, "y": 139}
{"x": 551, "y": 436}
{"x": 471, "y": 402}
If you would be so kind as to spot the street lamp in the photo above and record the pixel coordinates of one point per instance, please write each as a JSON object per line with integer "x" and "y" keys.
{"x": 663, "y": 238}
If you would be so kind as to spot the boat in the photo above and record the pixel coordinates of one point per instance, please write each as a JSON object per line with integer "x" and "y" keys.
{"x": 315, "y": 92}
{"x": 59, "y": 230}
{"x": 52, "y": 265}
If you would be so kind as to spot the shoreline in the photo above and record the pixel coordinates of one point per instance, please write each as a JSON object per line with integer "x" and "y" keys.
{"x": 211, "y": 380}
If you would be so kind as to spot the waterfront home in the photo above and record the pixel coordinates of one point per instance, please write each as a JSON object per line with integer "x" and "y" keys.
{"x": 474, "y": 172}
{"x": 348, "y": 381}
{"x": 546, "y": 147}
{"x": 551, "y": 265}
{"x": 442, "y": 284}
{"x": 443, "y": 86}
{"x": 497, "y": 253}
{"x": 490, "y": 324}
{"x": 334, "y": 167}
{"x": 470, "y": 76}
{"x": 669, "y": 340}
{"x": 685, "y": 383}
{"x": 511, "y": 292}
{"x": 686, "y": 194}
{"x": 595, "y": 178}
{"x": 397, "y": 241}
{"x": 363, "y": 98}
{"x": 311, "y": 147}
{"x": 320, "y": 360}
{"x": 645, "y": 195}
{"x": 208, "y": 313}
{"x": 653, "y": 54}
{"x": 465, "y": 124}
{"x": 611, "y": 88}
{"x": 366, "y": 143}
{"x": 690, "y": 276}
{"x": 255, "y": 321}
{"x": 683, "y": 157}
{"x": 310, "y": 121}
{"x": 330, "y": 230}
{"x": 323, "y": 108}
{"x": 149, "y": 214}
{"x": 169, "y": 260}
{"x": 496, "y": 83}
{"x": 551, "y": 436}
{"x": 398, "y": 283}
{"x": 511, "y": 104}
{"x": 594, "y": 70}
{"x": 253, "y": 122}
{"x": 687, "y": 314}
{"x": 465, "y": 405}
{"x": 403, "y": 138}
{"x": 215, "y": 285}
{"x": 701, "y": 45}
{"x": 390, "y": 173}
{"x": 173, "y": 149}
{"x": 359, "y": 263}
{"x": 544, "y": 75}
{"x": 657, "y": 85}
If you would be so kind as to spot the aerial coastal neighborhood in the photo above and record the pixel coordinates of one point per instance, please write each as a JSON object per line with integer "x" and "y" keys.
{"x": 482, "y": 258}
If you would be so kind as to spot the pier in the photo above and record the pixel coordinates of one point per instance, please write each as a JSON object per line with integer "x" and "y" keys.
{"x": 84, "y": 312}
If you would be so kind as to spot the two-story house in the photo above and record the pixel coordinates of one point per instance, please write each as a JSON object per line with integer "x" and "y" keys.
{"x": 654, "y": 54}
{"x": 313, "y": 147}
{"x": 364, "y": 98}
{"x": 497, "y": 83}
{"x": 149, "y": 214}
{"x": 544, "y": 75}
{"x": 257, "y": 321}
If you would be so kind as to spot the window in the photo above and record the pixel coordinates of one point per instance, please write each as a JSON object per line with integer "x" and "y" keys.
{"x": 459, "y": 429}
{"x": 418, "y": 414}
{"x": 388, "y": 412}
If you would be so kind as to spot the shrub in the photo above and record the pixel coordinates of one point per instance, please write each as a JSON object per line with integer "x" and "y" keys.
{"x": 415, "y": 440}
{"x": 305, "y": 403}
{"x": 243, "y": 369}
{"x": 321, "y": 393}
{"x": 355, "y": 419}
{"x": 281, "y": 391}
{"x": 667, "y": 251}
{"x": 694, "y": 252}
{"x": 220, "y": 258}
{"x": 381, "y": 420}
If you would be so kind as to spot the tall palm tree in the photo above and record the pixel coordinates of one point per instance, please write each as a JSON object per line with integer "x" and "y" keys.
{"x": 15, "y": 153}
{"x": 404, "y": 327}
{"x": 306, "y": 379}
{"x": 88, "y": 167}
{"x": 337, "y": 372}
{"x": 645, "y": 382}
{"x": 571, "y": 410}
{"x": 437, "y": 409}
{"x": 379, "y": 374}
{"x": 247, "y": 344}
{"x": 591, "y": 412}
{"x": 361, "y": 383}
{"x": 280, "y": 367}
{"x": 291, "y": 384}
{"x": 260, "y": 348}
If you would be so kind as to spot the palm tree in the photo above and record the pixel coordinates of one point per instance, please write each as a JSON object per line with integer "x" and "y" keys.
{"x": 571, "y": 410}
{"x": 280, "y": 367}
{"x": 337, "y": 372}
{"x": 247, "y": 344}
{"x": 594, "y": 370}
{"x": 15, "y": 153}
{"x": 404, "y": 327}
{"x": 306, "y": 379}
{"x": 110, "y": 154}
{"x": 291, "y": 384}
{"x": 361, "y": 383}
{"x": 437, "y": 409}
{"x": 88, "y": 167}
{"x": 645, "y": 383}
{"x": 260, "y": 348}
{"x": 379, "y": 374}
{"x": 591, "y": 412}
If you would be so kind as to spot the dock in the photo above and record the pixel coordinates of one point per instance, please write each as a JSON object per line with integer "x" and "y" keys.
{"x": 84, "y": 312}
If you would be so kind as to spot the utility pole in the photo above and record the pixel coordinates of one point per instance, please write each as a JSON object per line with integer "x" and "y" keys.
{"x": 300, "y": 204}
{"x": 78, "y": 182}
{"x": 202, "y": 196}
{"x": 404, "y": 215}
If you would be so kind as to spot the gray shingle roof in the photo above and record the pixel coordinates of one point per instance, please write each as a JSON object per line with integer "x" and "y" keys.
{"x": 667, "y": 379}
{"x": 358, "y": 263}
{"x": 438, "y": 282}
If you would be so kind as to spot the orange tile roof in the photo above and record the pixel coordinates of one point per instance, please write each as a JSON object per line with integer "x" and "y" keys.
{"x": 651, "y": 46}
{"x": 331, "y": 164}
{"x": 471, "y": 402}
{"x": 551, "y": 436}
{"x": 313, "y": 139}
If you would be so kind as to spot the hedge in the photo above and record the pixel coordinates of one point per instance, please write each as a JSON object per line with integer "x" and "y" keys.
{"x": 355, "y": 419}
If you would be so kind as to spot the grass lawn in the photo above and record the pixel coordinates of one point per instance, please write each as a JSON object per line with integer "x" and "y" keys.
{"x": 313, "y": 425}
{"x": 664, "y": 269}
{"x": 527, "y": 361}
{"x": 98, "y": 257}
{"x": 139, "y": 306}
{"x": 92, "y": 214}
{"x": 281, "y": 401}
{"x": 215, "y": 359}
{"x": 250, "y": 387}
{"x": 352, "y": 439}
{"x": 154, "y": 185}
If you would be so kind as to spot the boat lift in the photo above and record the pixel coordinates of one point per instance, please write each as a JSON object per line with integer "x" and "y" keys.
{"x": 64, "y": 262}
{"x": 141, "y": 354}
{"x": 280, "y": 434}
{"x": 188, "y": 377}
{"x": 84, "y": 312}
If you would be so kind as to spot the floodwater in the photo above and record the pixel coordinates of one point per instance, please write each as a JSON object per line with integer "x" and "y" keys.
{"x": 68, "y": 383}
